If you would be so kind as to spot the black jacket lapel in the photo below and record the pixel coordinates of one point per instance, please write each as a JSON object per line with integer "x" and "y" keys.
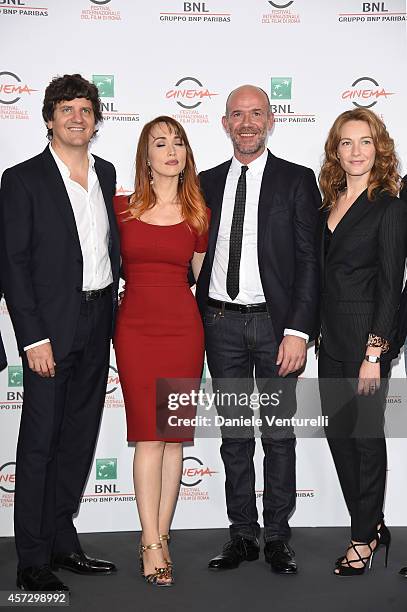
{"x": 356, "y": 212}
{"x": 57, "y": 191}
{"x": 322, "y": 229}
{"x": 268, "y": 187}
{"x": 217, "y": 189}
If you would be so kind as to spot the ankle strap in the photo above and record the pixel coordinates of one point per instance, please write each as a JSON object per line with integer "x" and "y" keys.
{"x": 165, "y": 537}
{"x": 156, "y": 546}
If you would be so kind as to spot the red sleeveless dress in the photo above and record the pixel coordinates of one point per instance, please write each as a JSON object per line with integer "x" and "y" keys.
{"x": 159, "y": 332}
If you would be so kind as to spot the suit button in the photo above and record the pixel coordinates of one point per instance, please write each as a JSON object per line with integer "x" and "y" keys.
{"x": 79, "y": 261}
{"x": 79, "y": 289}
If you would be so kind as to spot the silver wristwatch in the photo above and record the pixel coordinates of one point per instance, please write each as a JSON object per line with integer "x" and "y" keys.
{"x": 372, "y": 358}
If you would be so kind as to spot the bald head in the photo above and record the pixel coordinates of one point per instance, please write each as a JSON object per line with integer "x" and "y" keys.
{"x": 248, "y": 120}
{"x": 245, "y": 91}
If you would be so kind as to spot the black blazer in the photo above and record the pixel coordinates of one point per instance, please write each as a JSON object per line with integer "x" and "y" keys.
{"x": 362, "y": 276}
{"x": 402, "y": 329}
{"x": 40, "y": 254}
{"x": 286, "y": 241}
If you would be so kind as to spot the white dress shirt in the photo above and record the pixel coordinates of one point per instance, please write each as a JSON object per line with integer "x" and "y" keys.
{"x": 92, "y": 224}
{"x": 250, "y": 286}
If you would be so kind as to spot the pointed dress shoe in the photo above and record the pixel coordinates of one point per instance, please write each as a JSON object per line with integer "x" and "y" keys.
{"x": 281, "y": 557}
{"x": 234, "y": 552}
{"x": 39, "y": 579}
{"x": 79, "y": 563}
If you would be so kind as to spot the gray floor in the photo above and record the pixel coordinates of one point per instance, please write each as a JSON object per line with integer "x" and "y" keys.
{"x": 252, "y": 587}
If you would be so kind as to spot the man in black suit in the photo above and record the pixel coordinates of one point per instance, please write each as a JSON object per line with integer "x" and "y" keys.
{"x": 60, "y": 268}
{"x": 258, "y": 295}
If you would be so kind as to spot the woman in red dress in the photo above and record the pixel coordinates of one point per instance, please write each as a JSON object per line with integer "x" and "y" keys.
{"x": 163, "y": 228}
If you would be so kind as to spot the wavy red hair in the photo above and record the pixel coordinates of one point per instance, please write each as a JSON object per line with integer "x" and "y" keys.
{"x": 384, "y": 175}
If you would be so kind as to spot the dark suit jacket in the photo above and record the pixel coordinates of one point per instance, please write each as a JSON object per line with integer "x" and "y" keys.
{"x": 403, "y": 192}
{"x": 286, "y": 241}
{"x": 41, "y": 257}
{"x": 362, "y": 276}
{"x": 402, "y": 330}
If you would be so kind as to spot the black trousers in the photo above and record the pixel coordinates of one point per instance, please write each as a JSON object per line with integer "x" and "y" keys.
{"x": 58, "y": 431}
{"x": 355, "y": 435}
{"x": 236, "y": 345}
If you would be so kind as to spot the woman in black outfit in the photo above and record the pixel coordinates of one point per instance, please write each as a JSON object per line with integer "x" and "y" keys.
{"x": 363, "y": 249}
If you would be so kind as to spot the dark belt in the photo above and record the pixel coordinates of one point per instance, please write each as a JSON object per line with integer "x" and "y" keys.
{"x": 95, "y": 294}
{"x": 243, "y": 308}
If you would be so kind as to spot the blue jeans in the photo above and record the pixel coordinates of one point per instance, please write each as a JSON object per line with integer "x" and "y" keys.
{"x": 237, "y": 345}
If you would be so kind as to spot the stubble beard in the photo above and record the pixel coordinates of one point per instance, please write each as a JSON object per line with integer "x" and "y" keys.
{"x": 239, "y": 146}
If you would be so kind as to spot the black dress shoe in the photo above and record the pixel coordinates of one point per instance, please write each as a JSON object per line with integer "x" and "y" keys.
{"x": 39, "y": 579}
{"x": 234, "y": 552}
{"x": 82, "y": 564}
{"x": 280, "y": 556}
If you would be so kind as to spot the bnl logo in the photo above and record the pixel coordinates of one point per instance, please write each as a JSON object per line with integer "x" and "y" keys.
{"x": 374, "y": 7}
{"x": 195, "y": 7}
{"x": 106, "y": 469}
{"x": 15, "y": 379}
{"x": 15, "y": 376}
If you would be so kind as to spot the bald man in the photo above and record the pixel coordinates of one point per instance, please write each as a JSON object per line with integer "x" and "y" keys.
{"x": 258, "y": 294}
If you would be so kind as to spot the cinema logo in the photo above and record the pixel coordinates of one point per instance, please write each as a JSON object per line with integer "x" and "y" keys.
{"x": 194, "y": 475}
{"x": 196, "y": 12}
{"x": 365, "y": 92}
{"x": 105, "y": 85}
{"x": 281, "y": 13}
{"x": 374, "y": 12}
{"x": 8, "y": 477}
{"x": 13, "y": 93}
{"x": 282, "y": 105}
{"x": 7, "y": 484}
{"x": 189, "y": 93}
{"x": 14, "y": 395}
{"x": 100, "y": 10}
{"x": 113, "y": 397}
{"x": 22, "y": 9}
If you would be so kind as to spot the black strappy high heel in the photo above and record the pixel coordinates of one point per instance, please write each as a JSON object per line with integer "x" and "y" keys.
{"x": 347, "y": 568}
